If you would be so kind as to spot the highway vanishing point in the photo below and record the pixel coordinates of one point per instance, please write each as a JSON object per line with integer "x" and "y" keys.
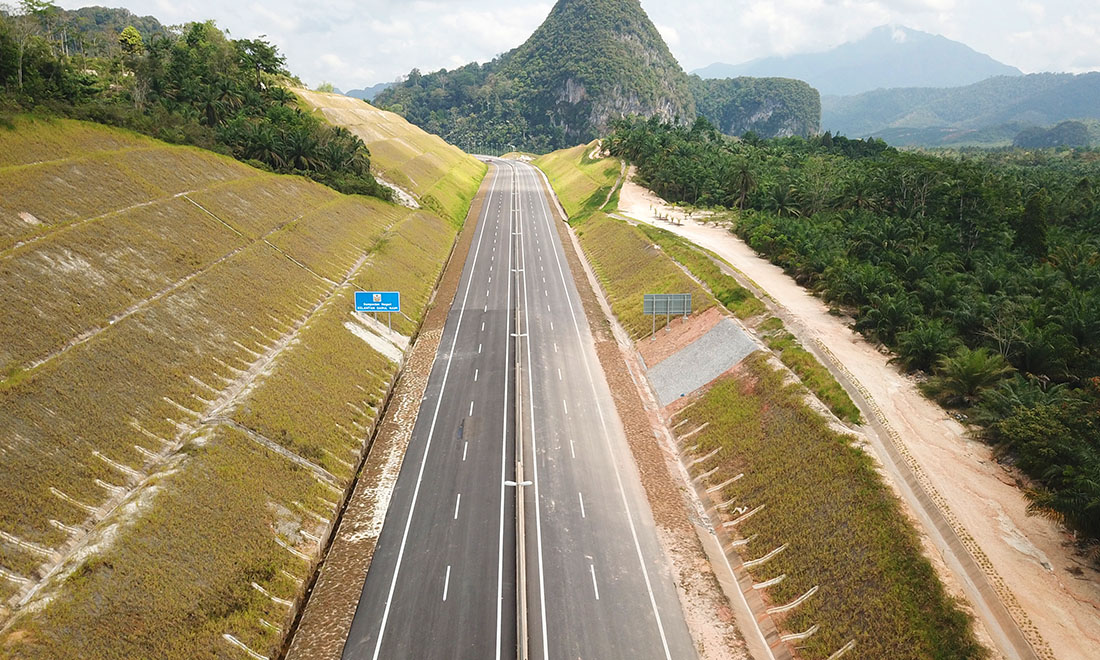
{"x": 518, "y": 525}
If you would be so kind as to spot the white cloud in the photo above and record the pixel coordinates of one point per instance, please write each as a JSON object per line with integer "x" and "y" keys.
{"x": 373, "y": 41}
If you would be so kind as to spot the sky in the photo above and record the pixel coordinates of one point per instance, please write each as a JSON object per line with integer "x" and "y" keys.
{"x": 355, "y": 44}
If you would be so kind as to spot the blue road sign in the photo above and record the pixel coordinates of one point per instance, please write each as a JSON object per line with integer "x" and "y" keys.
{"x": 378, "y": 301}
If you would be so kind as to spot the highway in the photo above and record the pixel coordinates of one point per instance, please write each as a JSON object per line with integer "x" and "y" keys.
{"x": 517, "y": 356}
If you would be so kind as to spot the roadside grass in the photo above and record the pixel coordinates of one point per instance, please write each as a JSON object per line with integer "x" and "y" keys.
{"x": 628, "y": 265}
{"x": 810, "y": 371}
{"x": 842, "y": 527}
{"x": 34, "y": 140}
{"x": 176, "y": 572}
{"x": 725, "y": 288}
{"x": 580, "y": 182}
{"x": 321, "y": 399}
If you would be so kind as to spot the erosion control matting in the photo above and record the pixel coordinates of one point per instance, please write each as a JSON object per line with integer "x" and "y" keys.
{"x": 700, "y": 362}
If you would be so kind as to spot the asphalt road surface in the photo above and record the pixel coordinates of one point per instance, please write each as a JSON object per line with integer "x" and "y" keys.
{"x": 442, "y": 583}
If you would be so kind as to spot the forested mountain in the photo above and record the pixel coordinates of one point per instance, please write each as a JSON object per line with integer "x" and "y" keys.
{"x": 772, "y": 107}
{"x": 591, "y": 61}
{"x": 887, "y": 57}
{"x": 920, "y": 115}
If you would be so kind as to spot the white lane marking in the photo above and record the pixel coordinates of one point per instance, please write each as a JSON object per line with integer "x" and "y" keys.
{"x": 483, "y": 326}
{"x": 544, "y": 210}
{"x": 486, "y": 309}
{"x": 555, "y": 347}
{"x": 490, "y": 279}
{"x": 595, "y": 587}
{"x": 486, "y": 293}
{"x": 476, "y": 372}
{"x": 479, "y": 349}
{"x": 564, "y": 403}
{"x": 572, "y": 449}
{"x": 428, "y": 446}
{"x": 458, "y": 500}
{"x": 471, "y": 409}
{"x": 447, "y": 583}
{"x": 551, "y": 325}
{"x": 465, "y": 448}
{"x": 580, "y": 497}
{"x": 547, "y": 307}
{"x": 503, "y": 446}
{"x": 559, "y": 374}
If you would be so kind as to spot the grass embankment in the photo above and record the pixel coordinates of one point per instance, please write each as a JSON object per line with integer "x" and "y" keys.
{"x": 175, "y": 306}
{"x": 843, "y": 530}
{"x": 441, "y": 175}
{"x": 583, "y": 185}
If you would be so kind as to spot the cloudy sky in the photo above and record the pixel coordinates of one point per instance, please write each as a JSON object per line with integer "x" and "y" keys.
{"x": 357, "y": 43}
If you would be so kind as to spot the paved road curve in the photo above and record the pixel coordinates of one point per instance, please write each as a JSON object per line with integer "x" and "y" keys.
{"x": 442, "y": 581}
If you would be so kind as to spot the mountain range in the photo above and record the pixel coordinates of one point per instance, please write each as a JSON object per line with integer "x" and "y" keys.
{"x": 992, "y": 111}
{"x": 888, "y": 57}
{"x": 590, "y": 61}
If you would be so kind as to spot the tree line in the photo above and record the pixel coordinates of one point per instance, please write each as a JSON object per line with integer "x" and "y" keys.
{"x": 980, "y": 270}
{"x": 190, "y": 84}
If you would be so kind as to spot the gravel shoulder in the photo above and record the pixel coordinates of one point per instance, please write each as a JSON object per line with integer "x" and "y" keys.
{"x": 1028, "y": 562}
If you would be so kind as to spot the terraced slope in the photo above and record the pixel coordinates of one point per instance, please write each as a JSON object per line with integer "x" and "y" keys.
{"x": 442, "y": 177}
{"x": 184, "y": 389}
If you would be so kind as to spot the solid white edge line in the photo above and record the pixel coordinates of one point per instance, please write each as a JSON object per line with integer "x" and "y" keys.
{"x": 545, "y": 208}
{"x": 428, "y": 443}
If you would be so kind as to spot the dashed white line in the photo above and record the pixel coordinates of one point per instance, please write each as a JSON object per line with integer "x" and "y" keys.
{"x": 458, "y": 500}
{"x": 471, "y": 409}
{"x": 564, "y": 403}
{"x": 551, "y": 325}
{"x": 447, "y": 583}
{"x": 465, "y": 448}
{"x": 559, "y": 374}
{"x": 572, "y": 449}
{"x": 476, "y": 372}
{"x": 483, "y": 326}
{"x": 479, "y": 349}
{"x": 591, "y": 569}
{"x": 580, "y": 498}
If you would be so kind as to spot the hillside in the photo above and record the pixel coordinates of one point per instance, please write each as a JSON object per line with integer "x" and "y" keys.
{"x": 1002, "y": 106}
{"x": 887, "y": 57}
{"x": 589, "y": 62}
{"x": 771, "y": 107}
{"x": 186, "y": 392}
{"x": 441, "y": 176}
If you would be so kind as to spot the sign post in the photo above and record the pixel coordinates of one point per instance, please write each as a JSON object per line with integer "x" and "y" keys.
{"x": 666, "y": 304}
{"x": 379, "y": 301}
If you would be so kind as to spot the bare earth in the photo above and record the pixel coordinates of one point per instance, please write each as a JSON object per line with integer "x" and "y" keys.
{"x": 1052, "y": 594}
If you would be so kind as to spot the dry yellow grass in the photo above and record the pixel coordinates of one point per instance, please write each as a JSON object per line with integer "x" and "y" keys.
{"x": 441, "y": 175}
{"x": 179, "y": 387}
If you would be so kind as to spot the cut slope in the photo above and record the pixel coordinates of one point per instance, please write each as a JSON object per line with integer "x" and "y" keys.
{"x": 185, "y": 390}
{"x": 442, "y": 176}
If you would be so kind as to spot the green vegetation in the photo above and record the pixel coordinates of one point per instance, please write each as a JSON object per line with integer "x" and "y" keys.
{"x": 191, "y": 85}
{"x": 995, "y": 252}
{"x": 442, "y": 176}
{"x": 582, "y": 183}
{"x": 843, "y": 531}
{"x": 589, "y": 61}
{"x": 773, "y": 107}
{"x": 144, "y": 313}
{"x": 1064, "y": 134}
{"x": 812, "y": 373}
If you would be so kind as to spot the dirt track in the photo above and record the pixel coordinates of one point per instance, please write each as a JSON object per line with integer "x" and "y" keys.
{"x": 1027, "y": 561}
